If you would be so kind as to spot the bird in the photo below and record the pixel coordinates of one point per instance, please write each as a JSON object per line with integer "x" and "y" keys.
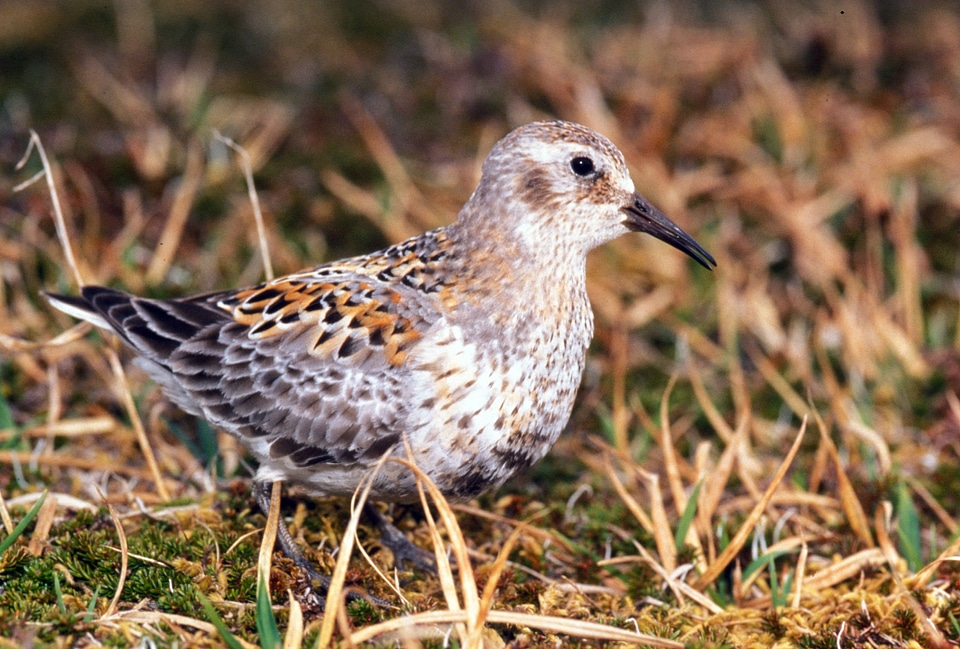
{"x": 464, "y": 344}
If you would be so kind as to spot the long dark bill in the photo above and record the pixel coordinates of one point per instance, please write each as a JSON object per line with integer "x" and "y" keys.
{"x": 644, "y": 217}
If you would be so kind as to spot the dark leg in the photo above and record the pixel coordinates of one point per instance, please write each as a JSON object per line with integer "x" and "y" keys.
{"x": 403, "y": 549}
{"x": 261, "y": 491}
{"x": 320, "y": 582}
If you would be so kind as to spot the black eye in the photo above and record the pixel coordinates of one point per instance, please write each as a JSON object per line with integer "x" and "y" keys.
{"x": 582, "y": 166}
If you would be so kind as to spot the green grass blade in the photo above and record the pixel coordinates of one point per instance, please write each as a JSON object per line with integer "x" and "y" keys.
{"x": 764, "y": 560}
{"x": 266, "y": 621}
{"x": 788, "y": 585}
{"x": 92, "y": 606}
{"x": 6, "y": 417}
{"x": 606, "y": 426}
{"x": 779, "y": 594}
{"x": 688, "y": 513}
{"x": 7, "y": 423}
{"x": 723, "y": 537}
{"x": 774, "y": 587}
{"x": 211, "y": 613}
{"x": 22, "y": 525}
{"x": 61, "y": 605}
{"x": 908, "y": 528}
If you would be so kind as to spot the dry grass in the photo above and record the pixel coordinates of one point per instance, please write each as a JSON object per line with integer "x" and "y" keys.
{"x": 761, "y": 456}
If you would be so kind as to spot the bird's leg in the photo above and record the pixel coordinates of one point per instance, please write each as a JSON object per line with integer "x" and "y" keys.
{"x": 320, "y": 582}
{"x": 261, "y": 491}
{"x": 403, "y": 549}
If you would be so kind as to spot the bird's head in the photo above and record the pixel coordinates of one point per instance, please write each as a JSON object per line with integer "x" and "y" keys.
{"x": 550, "y": 185}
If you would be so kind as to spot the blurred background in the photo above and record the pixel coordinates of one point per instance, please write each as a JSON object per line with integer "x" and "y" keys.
{"x": 813, "y": 148}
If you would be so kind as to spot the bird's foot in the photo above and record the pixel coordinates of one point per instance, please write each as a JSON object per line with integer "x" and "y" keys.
{"x": 396, "y": 541}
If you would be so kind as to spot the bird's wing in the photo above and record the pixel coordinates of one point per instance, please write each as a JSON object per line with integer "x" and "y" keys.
{"x": 309, "y": 368}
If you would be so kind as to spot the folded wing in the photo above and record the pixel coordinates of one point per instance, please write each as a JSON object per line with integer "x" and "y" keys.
{"x": 308, "y": 368}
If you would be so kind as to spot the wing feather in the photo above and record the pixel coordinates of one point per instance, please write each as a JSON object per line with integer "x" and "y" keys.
{"x": 310, "y": 364}
{"x": 310, "y": 368}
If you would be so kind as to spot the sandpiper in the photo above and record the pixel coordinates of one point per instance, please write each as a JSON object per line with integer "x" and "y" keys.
{"x": 468, "y": 341}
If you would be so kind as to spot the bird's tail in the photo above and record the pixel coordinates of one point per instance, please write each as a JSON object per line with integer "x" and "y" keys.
{"x": 78, "y": 307}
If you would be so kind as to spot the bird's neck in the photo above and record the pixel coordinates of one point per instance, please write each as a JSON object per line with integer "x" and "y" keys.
{"x": 497, "y": 274}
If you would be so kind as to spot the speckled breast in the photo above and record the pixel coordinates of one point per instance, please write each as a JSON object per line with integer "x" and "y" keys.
{"x": 482, "y": 409}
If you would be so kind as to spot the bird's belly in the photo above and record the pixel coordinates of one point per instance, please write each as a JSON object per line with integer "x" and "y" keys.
{"x": 482, "y": 413}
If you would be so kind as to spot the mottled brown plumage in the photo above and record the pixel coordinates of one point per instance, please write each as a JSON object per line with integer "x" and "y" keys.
{"x": 469, "y": 340}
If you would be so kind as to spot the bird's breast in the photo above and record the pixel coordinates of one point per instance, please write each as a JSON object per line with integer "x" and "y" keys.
{"x": 488, "y": 401}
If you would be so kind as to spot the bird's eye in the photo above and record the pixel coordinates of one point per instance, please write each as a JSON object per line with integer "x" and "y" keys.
{"x": 582, "y": 166}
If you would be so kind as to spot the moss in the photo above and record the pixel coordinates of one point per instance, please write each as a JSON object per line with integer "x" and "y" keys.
{"x": 711, "y": 637}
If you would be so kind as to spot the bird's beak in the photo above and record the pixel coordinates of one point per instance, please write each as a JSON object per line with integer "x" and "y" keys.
{"x": 644, "y": 217}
